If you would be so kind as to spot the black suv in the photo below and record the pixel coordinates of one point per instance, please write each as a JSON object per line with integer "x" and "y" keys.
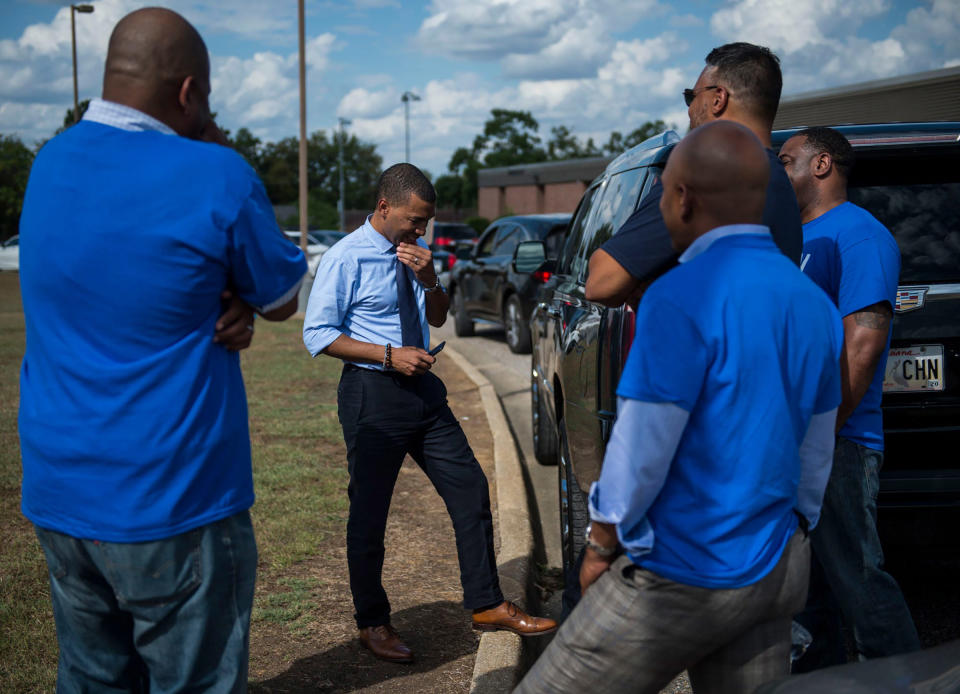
{"x": 484, "y": 286}
{"x": 908, "y": 176}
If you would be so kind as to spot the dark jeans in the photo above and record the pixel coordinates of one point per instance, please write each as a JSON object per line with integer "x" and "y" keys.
{"x": 171, "y": 615}
{"x": 385, "y": 416}
{"x": 847, "y": 576}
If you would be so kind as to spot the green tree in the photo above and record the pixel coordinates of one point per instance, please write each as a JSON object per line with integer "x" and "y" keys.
{"x": 565, "y": 145}
{"x": 68, "y": 118}
{"x": 248, "y": 145}
{"x": 15, "y": 161}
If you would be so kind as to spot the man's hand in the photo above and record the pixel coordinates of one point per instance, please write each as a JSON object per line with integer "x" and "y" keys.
{"x": 212, "y": 133}
{"x": 235, "y": 325}
{"x": 592, "y": 568}
{"x": 410, "y": 361}
{"x": 420, "y": 260}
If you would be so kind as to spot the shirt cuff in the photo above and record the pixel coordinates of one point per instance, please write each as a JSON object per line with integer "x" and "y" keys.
{"x": 282, "y": 300}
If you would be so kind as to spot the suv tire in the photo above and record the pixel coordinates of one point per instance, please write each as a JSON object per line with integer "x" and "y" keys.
{"x": 462, "y": 325}
{"x": 574, "y": 514}
{"x": 544, "y": 434}
{"x": 517, "y": 330}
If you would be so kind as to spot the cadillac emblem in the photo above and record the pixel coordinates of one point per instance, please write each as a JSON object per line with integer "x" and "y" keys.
{"x": 910, "y": 298}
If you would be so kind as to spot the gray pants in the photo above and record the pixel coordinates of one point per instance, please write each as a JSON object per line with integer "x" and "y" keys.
{"x": 634, "y": 631}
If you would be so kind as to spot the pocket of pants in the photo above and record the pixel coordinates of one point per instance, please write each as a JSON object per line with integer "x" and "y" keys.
{"x": 350, "y": 398}
{"x": 50, "y": 543}
{"x": 155, "y": 573}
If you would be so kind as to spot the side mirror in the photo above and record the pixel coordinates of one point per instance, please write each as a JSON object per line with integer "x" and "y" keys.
{"x": 529, "y": 256}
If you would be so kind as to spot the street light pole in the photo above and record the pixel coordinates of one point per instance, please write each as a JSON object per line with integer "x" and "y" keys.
{"x": 406, "y": 99}
{"x": 341, "y": 203}
{"x": 83, "y": 9}
{"x": 302, "y": 168}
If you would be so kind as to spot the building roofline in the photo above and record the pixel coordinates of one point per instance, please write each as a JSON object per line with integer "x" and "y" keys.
{"x": 911, "y": 80}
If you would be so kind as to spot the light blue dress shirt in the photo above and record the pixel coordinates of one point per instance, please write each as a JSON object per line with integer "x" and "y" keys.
{"x": 355, "y": 294}
{"x": 646, "y": 436}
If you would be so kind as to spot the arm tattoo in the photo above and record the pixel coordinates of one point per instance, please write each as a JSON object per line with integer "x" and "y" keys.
{"x": 876, "y": 316}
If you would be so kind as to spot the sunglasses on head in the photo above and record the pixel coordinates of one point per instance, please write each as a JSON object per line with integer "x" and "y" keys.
{"x": 690, "y": 94}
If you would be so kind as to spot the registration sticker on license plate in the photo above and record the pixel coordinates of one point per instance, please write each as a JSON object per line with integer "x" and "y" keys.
{"x": 914, "y": 368}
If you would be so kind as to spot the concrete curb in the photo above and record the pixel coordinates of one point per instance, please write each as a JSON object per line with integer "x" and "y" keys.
{"x": 499, "y": 653}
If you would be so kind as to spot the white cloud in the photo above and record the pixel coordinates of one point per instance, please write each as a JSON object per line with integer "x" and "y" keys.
{"x": 532, "y": 38}
{"x": 818, "y": 45}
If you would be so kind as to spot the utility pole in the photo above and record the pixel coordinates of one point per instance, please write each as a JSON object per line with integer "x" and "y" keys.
{"x": 342, "y": 202}
{"x": 303, "y": 131}
{"x": 406, "y": 99}
{"x": 83, "y": 9}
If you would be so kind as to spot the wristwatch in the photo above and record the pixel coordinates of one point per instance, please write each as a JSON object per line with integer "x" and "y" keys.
{"x": 435, "y": 288}
{"x": 596, "y": 546}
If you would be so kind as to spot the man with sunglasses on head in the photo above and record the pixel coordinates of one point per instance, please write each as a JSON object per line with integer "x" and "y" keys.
{"x": 741, "y": 83}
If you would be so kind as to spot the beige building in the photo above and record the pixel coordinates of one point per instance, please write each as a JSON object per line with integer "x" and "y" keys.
{"x": 554, "y": 186}
{"x": 922, "y": 96}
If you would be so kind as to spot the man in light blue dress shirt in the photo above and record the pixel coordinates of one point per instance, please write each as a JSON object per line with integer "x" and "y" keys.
{"x": 697, "y": 556}
{"x": 371, "y": 305}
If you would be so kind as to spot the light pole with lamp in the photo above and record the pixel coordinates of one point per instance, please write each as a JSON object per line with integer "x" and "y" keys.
{"x": 83, "y": 9}
{"x": 342, "y": 202}
{"x": 406, "y": 99}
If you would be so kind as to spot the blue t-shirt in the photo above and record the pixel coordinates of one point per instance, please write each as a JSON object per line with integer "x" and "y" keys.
{"x": 856, "y": 261}
{"x": 133, "y": 422}
{"x": 750, "y": 347}
{"x": 643, "y": 247}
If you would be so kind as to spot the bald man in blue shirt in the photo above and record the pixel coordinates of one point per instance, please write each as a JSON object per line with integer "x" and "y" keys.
{"x": 697, "y": 556}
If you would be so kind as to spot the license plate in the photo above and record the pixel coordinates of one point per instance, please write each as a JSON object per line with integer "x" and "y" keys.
{"x": 914, "y": 368}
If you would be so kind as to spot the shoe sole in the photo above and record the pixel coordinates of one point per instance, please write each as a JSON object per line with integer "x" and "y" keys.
{"x": 494, "y": 627}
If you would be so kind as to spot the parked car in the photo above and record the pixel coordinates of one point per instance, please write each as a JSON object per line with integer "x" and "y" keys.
{"x": 908, "y": 176}
{"x": 10, "y": 253}
{"x": 484, "y": 286}
{"x": 448, "y": 234}
{"x": 318, "y": 242}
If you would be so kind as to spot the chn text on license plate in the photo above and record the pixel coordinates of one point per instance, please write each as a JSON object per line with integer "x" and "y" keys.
{"x": 914, "y": 368}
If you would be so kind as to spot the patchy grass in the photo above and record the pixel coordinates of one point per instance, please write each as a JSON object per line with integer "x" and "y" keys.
{"x": 299, "y": 473}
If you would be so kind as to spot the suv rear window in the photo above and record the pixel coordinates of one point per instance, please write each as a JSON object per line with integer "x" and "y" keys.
{"x": 457, "y": 232}
{"x": 925, "y": 220}
{"x": 915, "y": 193}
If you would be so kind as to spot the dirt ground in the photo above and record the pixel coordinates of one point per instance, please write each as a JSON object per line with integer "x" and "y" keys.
{"x": 421, "y": 577}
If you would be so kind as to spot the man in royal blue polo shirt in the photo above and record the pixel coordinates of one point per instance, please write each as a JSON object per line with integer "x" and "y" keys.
{"x": 740, "y": 83}
{"x": 855, "y": 260}
{"x": 133, "y": 420}
{"x": 712, "y": 465}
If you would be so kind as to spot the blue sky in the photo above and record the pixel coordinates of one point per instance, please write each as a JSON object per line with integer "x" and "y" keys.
{"x": 593, "y": 65}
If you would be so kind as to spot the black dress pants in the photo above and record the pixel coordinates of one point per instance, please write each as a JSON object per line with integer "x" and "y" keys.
{"x": 385, "y": 416}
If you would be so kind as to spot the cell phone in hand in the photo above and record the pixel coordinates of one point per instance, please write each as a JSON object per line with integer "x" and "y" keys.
{"x": 436, "y": 350}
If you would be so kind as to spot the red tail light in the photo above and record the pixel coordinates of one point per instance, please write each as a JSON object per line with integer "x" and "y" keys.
{"x": 541, "y": 276}
{"x": 443, "y": 241}
{"x": 451, "y": 259}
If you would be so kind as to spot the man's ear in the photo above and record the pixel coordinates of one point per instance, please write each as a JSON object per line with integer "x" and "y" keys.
{"x": 383, "y": 208}
{"x": 719, "y": 101}
{"x": 184, "y": 94}
{"x": 822, "y": 164}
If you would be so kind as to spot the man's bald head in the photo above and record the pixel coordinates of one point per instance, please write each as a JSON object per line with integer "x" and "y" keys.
{"x": 152, "y": 53}
{"x": 717, "y": 175}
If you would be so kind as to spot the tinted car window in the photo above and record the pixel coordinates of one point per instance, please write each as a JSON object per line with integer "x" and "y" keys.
{"x": 925, "y": 220}
{"x": 554, "y": 240}
{"x": 568, "y": 260}
{"x": 618, "y": 202}
{"x": 486, "y": 242}
{"x": 507, "y": 241}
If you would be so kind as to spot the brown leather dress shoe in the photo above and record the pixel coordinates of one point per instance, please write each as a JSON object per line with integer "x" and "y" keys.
{"x": 384, "y": 642}
{"x": 509, "y": 617}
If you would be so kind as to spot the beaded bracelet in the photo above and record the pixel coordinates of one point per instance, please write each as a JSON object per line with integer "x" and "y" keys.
{"x": 387, "y": 363}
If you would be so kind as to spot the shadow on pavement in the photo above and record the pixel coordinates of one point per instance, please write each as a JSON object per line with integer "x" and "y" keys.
{"x": 439, "y": 633}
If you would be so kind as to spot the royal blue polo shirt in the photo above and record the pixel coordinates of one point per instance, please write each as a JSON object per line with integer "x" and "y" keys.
{"x": 133, "y": 422}
{"x": 750, "y": 347}
{"x": 856, "y": 261}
